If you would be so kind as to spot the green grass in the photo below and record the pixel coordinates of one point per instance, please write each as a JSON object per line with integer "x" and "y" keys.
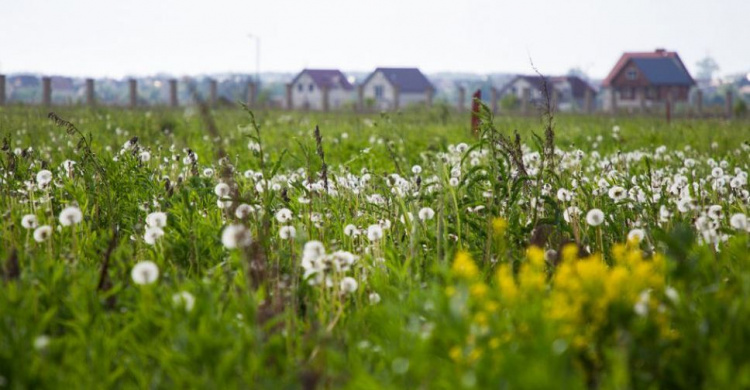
{"x": 483, "y": 295}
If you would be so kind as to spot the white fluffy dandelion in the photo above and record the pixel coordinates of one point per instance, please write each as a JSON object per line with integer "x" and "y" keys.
{"x": 374, "y": 232}
{"x": 287, "y": 232}
{"x": 617, "y": 193}
{"x": 184, "y": 299}
{"x": 739, "y": 221}
{"x": 416, "y": 169}
{"x": 152, "y": 234}
{"x": 29, "y": 221}
{"x": 70, "y": 215}
{"x": 43, "y": 178}
{"x": 595, "y": 217}
{"x": 350, "y": 230}
{"x": 374, "y": 298}
{"x": 349, "y": 285}
{"x": 157, "y": 219}
{"x": 426, "y": 213}
{"x": 243, "y": 211}
{"x": 42, "y": 233}
{"x": 284, "y": 215}
{"x": 145, "y": 272}
{"x": 236, "y": 236}
{"x": 636, "y": 235}
{"x": 222, "y": 190}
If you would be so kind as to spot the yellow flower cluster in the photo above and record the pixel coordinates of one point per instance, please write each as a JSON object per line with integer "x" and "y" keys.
{"x": 464, "y": 267}
{"x": 587, "y": 292}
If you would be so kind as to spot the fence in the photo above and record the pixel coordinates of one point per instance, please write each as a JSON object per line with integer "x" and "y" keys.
{"x": 638, "y": 105}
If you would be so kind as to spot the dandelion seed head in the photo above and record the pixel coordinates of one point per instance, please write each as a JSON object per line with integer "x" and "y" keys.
{"x": 157, "y": 219}
{"x": 29, "y": 221}
{"x": 70, "y": 215}
{"x": 145, "y": 272}
{"x": 595, "y": 217}
{"x": 236, "y": 236}
{"x": 42, "y": 233}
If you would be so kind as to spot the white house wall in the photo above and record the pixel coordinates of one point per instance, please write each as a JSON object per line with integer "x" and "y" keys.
{"x": 386, "y": 101}
{"x": 306, "y": 99}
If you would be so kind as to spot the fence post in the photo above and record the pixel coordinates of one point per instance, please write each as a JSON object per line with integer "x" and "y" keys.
{"x": 46, "y": 91}
{"x": 325, "y": 90}
{"x": 396, "y": 96}
{"x": 212, "y": 92}
{"x": 429, "y": 92}
{"x": 2, "y": 90}
{"x": 133, "y": 90}
{"x": 461, "y": 98}
{"x": 699, "y": 102}
{"x": 729, "y": 103}
{"x": 588, "y": 100}
{"x": 525, "y": 100}
{"x": 289, "y": 101}
{"x": 251, "y": 93}
{"x": 613, "y": 100}
{"x": 90, "y": 93}
{"x": 173, "y": 102}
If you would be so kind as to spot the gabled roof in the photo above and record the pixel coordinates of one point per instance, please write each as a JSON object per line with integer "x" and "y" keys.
{"x": 408, "y": 80}
{"x": 329, "y": 78}
{"x": 660, "y": 67}
{"x": 578, "y": 86}
{"x": 537, "y": 82}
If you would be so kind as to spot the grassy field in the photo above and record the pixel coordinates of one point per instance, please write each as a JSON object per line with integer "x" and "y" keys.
{"x": 185, "y": 249}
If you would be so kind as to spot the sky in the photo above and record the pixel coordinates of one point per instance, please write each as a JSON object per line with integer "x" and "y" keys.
{"x": 107, "y": 38}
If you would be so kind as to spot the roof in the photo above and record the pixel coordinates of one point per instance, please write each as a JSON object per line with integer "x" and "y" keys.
{"x": 408, "y": 80}
{"x": 578, "y": 86}
{"x": 537, "y": 82}
{"x": 329, "y": 78}
{"x": 660, "y": 67}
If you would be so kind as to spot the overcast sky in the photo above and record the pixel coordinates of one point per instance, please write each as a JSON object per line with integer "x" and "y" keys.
{"x": 188, "y": 37}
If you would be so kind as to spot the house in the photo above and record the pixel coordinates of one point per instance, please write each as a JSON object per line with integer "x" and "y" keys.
{"x": 392, "y": 88}
{"x": 319, "y": 89}
{"x": 574, "y": 93}
{"x": 569, "y": 93}
{"x": 647, "y": 79}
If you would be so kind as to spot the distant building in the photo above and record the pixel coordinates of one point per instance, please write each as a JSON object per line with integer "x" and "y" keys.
{"x": 570, "y": 91}
{"x": 392, "y": 88}
{"x": 643, "y": 80}
{"x": 320, "y": 89}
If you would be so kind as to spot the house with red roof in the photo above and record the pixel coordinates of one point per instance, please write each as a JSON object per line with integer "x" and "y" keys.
{"x": 393, "y": 88}
{"x": 647, "y": 79}
{"x": 319, "y": 89}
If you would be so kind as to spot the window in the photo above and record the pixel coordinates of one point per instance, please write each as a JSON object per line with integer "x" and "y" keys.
{"x": 378, "y": 92}
{"x": 300, "y": 87}
{"x": 311, "y": 88}
{"x": 632, "y": 74}
{"x": 627, "y": 93}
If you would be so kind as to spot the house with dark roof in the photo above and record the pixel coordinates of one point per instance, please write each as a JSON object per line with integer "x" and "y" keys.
{"x": 647, "y": 79}
{"x": 570, "y": 92}
{"x": 392, "y": 88}
{"x": 319, "y": 89}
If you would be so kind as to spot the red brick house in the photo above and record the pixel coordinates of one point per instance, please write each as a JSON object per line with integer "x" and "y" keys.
{"x": 648, "y": 79}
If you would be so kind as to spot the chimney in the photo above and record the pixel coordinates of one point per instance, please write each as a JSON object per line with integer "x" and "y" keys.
{"x": 661, "y": 50}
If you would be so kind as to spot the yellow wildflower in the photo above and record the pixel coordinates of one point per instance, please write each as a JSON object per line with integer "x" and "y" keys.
{"x": 478, "y": 290}
{"x": 463, "y": 266}
{"x": 499, "y": 226}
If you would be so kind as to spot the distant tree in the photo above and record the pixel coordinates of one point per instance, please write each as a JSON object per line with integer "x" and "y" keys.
{"x": 706, "y": 68}
{"x": 577, "y": 71}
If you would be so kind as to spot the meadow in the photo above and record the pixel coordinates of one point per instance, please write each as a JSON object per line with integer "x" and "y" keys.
{"x": 229, "y": 248}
